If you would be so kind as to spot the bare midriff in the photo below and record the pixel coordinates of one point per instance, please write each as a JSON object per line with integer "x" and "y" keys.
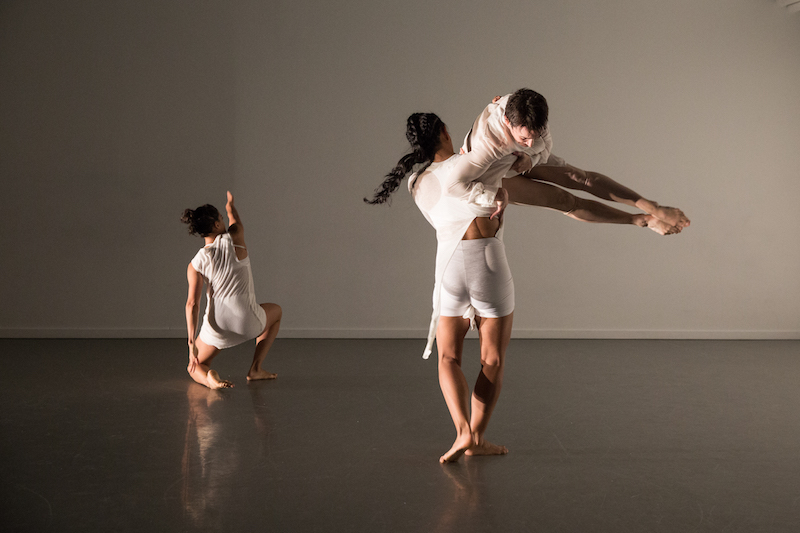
{"x": 481, "y": 228}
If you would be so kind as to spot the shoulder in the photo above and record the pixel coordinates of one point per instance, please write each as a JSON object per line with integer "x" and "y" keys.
{"x": 200, "y": 259}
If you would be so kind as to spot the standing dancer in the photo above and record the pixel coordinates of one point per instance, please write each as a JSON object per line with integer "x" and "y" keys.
{"x": 232, "y": 314}
{"x": 473, "y": 282}
{"x": 516, "y": 125}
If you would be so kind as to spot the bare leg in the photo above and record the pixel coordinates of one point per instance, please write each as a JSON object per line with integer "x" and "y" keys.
{"x": 606, "y": 188}
{"x": 450, "y": 343}
{"x": 591, "y": 211}
{"x": 525, "y": 191}
{"x": 495, "y": 335}
{"x": 202, "y": 372}
{"x": 264, "y": 342}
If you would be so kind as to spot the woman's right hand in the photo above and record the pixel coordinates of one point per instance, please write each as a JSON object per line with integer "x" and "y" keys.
{"x": 193, "y": 359}
{"x": 501, "y": 201}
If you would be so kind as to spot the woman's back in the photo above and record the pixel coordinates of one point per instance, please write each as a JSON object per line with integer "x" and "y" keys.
{"x": 451, "y": 215}
{"x": 232, "y": 314}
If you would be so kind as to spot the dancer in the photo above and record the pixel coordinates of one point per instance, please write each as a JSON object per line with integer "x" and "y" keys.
{"x": 232, "y": 314}
{"x": 472, "y": 280}
{"x": 516, "y": 125}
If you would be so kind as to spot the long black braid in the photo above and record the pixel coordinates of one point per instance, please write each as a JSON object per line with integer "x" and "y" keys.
{"x": 422, "y": 132}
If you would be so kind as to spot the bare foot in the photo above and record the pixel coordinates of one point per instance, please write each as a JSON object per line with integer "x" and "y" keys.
{"x": 487, "y": 448}
{"x": 672, "y": 216}
{"x": 214, "y": 381}
{"x": 659, "y": 226}
{"x": 461, "y": 445}
{"x": 260, "y": 374}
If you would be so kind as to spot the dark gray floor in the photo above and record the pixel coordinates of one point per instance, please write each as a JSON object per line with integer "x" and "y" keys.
{"x": 617, "y": 436}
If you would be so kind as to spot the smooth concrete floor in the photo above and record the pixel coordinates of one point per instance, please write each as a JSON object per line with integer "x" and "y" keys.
{"x": 604, "y": 435}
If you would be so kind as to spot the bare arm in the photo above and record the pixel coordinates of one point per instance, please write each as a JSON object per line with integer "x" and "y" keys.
{"x": 235, "y": 227}
{"x": 193, "y": 310}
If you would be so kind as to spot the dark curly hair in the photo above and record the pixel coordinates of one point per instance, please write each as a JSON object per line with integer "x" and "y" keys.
{"x": 201, "y": 220}
{"x": 422, "y": 131}
{"x": 527, "y": 108}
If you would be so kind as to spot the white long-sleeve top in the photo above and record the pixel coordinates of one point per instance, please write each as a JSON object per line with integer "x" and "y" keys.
{"x": 491, "y": 146}
{"x": 450, "y": 204}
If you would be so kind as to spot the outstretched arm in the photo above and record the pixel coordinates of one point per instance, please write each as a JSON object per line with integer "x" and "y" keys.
{"x": 523, "y": 191}
{"x": 235, "y": 227}
{"x": 233, "y": 214}
{"x": 606, "y": 188}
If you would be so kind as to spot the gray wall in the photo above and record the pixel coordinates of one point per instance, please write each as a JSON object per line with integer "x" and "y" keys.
{"x": 116, "y": 116}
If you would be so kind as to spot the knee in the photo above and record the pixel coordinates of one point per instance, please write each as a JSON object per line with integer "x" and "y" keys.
{"x": 449, "y": 358}
{"x": 492, "y": 363}
{"x": 274, "y": 312}
{"x": 581, "y": 177}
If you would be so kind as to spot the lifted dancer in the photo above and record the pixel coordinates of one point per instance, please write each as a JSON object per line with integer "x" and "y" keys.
{"x": 512, "y": 135}
{"x": 232, "y": 314}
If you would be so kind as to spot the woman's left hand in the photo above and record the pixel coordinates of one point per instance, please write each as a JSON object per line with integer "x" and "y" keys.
{"x": 501, "y": 200}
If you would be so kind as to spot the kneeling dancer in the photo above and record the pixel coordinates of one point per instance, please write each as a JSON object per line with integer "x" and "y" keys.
{"x": 232, "y": 314}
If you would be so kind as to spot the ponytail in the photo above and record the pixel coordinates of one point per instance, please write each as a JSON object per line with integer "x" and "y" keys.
{"x": 422, "y": 132}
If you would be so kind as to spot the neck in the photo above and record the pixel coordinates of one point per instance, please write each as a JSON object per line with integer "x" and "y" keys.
{"x": 211, "y": 238}
{"x": 444, "y": 153}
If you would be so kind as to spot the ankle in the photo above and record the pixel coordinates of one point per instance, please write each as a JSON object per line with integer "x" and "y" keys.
{"x": 648, "y": 206}
{"x": 641, "y": 220}
{"x": 462, "y": 430}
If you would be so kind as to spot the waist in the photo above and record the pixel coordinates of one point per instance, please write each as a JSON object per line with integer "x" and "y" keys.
{"x": 481, "y": 228}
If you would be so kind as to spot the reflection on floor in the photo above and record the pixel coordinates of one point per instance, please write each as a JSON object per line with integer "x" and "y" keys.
{"x": 604, "y": 435}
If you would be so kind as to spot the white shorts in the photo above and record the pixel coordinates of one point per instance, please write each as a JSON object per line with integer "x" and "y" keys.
{"x": 478, "y": 276}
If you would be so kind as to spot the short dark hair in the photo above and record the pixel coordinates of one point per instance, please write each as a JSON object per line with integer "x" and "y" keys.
{"x": 527, "y": 108}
